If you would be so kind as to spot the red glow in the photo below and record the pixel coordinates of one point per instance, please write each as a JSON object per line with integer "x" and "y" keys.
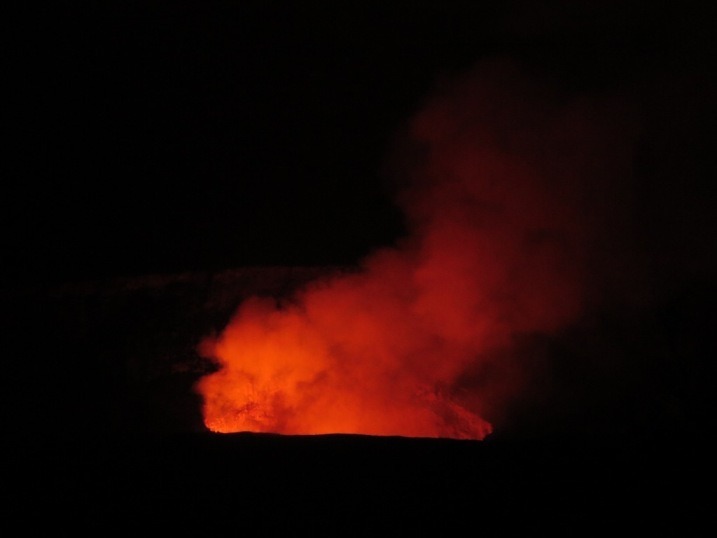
{"x": 497, "y": 249}
{"x": 342, "y": 358}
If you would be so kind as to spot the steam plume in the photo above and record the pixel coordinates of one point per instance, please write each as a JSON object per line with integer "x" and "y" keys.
{"x": 515, "y": 199}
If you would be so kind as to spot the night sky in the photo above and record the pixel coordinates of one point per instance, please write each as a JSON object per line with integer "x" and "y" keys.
{"x": 160, "y": 137}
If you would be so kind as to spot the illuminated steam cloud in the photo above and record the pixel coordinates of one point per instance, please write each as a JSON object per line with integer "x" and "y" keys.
{"x": 511, "y": 191}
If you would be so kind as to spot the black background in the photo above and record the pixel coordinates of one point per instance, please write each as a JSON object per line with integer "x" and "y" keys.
{"x": 157, "y": 137}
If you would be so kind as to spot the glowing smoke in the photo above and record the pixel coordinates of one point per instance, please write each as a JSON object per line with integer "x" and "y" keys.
{"x": 512, "y": 192}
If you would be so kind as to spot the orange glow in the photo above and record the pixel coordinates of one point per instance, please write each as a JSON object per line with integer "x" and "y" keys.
{"x": 411, "y": 343}
{"x": 334, "y": 361}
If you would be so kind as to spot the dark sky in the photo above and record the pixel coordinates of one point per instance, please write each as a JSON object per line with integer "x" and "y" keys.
{"x": 158, "y": 137}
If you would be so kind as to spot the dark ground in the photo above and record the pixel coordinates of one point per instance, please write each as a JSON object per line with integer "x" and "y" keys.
{"x": 336, "y": 484}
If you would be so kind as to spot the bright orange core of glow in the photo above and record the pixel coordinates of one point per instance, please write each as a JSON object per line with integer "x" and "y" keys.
{"x": 279, "y": 372}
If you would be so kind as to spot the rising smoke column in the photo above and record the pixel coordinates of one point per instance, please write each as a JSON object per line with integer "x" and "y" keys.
{"x": 508, "y": 185}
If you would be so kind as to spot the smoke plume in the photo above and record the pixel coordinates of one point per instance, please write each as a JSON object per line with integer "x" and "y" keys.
{"x": 516, "y": 199}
